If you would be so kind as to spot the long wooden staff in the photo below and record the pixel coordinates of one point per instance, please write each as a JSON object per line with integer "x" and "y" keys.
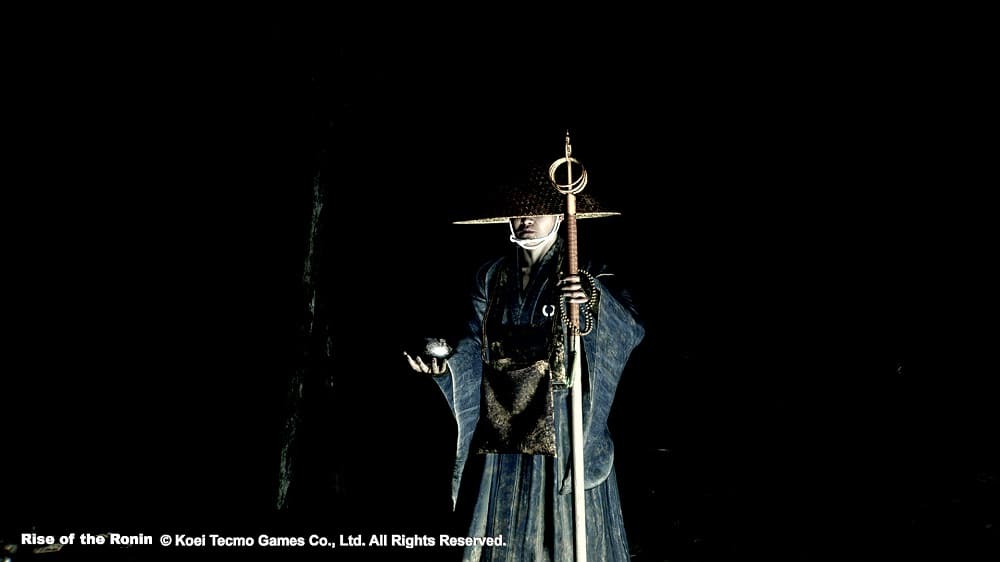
{"x": 570, "y": 189}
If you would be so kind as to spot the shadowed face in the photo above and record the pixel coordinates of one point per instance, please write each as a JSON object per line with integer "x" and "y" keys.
{"x": 527, "y": 228}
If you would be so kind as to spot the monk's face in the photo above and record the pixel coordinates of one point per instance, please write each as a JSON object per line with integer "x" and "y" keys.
{"x": 527, "y": 228}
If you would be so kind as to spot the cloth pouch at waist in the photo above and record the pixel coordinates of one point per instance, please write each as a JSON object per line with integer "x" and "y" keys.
{"x": 516, "y": 409}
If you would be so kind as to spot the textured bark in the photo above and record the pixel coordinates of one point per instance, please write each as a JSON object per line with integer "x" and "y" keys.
{"x": 316, "y": 348}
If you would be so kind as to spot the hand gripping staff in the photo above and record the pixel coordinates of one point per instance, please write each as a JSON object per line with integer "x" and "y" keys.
{"x": 570, "y": 189}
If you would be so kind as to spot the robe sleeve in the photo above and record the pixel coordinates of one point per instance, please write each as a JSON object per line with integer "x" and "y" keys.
{"x": 616, "y": 332}
{"x": 461, "y": 383}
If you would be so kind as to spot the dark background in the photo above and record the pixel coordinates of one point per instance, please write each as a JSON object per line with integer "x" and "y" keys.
{"x": 804, "y": 227}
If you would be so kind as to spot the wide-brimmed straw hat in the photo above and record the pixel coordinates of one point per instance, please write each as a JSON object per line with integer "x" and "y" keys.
{"x": 532, "y": 195}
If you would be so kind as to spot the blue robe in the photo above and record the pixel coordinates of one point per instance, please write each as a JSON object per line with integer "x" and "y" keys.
{"x": 528, "y": 498}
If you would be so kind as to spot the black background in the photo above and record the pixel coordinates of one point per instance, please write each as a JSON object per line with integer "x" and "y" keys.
{"x": 804, "y": 226}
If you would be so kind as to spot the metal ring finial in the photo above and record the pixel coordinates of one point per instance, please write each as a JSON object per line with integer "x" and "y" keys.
{"x": 568, "y": 188}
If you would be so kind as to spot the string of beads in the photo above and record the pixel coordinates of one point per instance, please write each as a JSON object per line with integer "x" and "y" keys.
{"x": 588, "y": 317}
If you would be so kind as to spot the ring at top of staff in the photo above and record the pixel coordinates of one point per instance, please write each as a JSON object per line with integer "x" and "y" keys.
{"x": 573, "y": 186}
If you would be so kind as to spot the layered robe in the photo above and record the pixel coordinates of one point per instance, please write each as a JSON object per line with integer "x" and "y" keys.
{"x": 527, "y": 498}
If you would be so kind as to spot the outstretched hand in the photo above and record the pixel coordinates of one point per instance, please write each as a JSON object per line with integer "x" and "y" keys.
{"x": 435, "y": 368}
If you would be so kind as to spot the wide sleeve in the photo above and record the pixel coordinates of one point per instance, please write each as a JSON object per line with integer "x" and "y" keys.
{"x": 616, "y": 332}
{"x": 461, "y": 383}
